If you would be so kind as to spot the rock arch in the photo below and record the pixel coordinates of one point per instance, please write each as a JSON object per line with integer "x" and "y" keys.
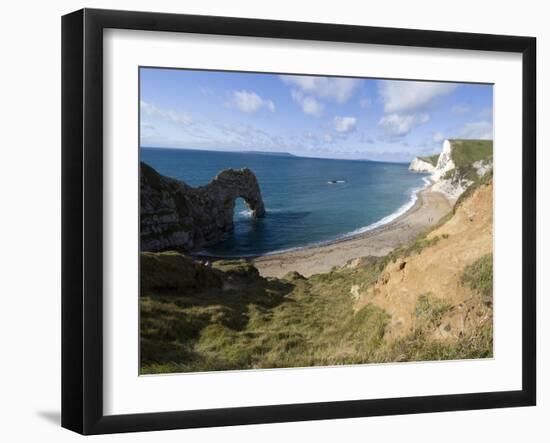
{"x": 230, "y": 184}
{"x": 174, "y": 215}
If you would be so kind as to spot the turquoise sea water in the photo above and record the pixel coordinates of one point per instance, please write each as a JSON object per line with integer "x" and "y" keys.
{"x": 303, "y": 206}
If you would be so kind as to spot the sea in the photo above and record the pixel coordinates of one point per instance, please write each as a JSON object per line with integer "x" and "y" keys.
{"x": 309, "y": 201}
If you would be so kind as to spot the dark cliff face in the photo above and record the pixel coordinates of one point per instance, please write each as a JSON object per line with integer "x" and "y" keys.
{"x": 177, "y": 216}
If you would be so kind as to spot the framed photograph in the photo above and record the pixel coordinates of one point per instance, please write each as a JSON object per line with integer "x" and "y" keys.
{"x": 269, "y": 221}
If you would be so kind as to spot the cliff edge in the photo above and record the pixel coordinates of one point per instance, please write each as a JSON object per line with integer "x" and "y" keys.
{"x": 174, "y": 215}
{"x": 460, "y": 164}
{"x": 424, "y": 164}
{"x": 428, "y": 300}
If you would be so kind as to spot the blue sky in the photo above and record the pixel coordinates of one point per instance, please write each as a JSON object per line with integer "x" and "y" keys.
{"x": 333, "y": 117}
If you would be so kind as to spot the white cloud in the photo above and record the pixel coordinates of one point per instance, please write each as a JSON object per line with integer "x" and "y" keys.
{"x": 407, "y": 96}
{"x": 395, "y": 125}
{"x": 344, "y": 124}
{"x": 461, "y": 109}
{"x": 329, "y": 88}
{"x": 250, "y": 102}
{"x": 175, "y": 117}
{"x": 309, "y": 105}
{"x": 438, "y": 137}
{"x": 476, "y": 130}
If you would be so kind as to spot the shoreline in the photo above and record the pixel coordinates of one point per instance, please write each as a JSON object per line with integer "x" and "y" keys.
{"x": 401, "y": 211}
{"x": 430, "y": 206}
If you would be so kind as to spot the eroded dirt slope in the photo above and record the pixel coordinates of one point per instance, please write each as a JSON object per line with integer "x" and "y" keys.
{"x": 436, "y": 273}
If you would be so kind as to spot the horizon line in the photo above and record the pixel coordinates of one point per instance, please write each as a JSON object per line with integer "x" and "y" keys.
{"x": 275, "y": 153}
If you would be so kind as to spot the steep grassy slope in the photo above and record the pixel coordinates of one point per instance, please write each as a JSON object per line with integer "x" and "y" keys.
{"x": 455, "y": 270}
{"x": 241, "y": 320}
{"x": 467, "y": 152}
{"x": 429, "y": 300}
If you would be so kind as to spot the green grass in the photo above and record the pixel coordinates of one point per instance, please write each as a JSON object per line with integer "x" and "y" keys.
{"x": 430, "y": 310}
{"x": 416, "y": 246}
{"x": 479, "y": 277}
{"x": 162, "y": 272}
{"x": 432, "y": 159}
{"x": 235, "y": 319}
{"x": 224, "y": 316}
{"x": 252, "y": 322}
{"x": 465, "y": 153}
{"x": 417, "y": 346}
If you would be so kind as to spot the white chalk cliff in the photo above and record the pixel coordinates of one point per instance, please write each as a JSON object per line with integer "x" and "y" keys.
{"x": 419, "y": 165}
{"x": 444, "y": 163}
{"x": 445, "y": 176}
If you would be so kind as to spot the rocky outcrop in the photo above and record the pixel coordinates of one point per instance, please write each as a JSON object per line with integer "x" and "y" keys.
{"x": 175, "y": 215}
{"x": 443, "y": 175}
{"x": 445, "y": 162}
{"x": 451, "y": 178}
{"x": 419, "y": 165}
{"x": 482, "y": 167}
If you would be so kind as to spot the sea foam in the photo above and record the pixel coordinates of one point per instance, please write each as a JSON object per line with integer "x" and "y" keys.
{"x": 394, "y": 215}
{"x": 383, "y": 221}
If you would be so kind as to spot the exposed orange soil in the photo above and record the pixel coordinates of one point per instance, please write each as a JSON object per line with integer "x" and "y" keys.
{"x": 437, "y": 269}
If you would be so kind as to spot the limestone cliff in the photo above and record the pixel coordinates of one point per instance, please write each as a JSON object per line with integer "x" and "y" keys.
{"x": 458, "y": 166}
{"x": 420, "y": 164}
{"x": 174, "y": 215}
{"x": 445, "y": 161}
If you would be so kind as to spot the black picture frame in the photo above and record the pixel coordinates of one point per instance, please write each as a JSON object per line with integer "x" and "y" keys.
{"x": 82, "y": 218}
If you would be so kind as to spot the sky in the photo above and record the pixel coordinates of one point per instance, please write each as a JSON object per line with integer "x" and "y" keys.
{"x": 311, "y": 116}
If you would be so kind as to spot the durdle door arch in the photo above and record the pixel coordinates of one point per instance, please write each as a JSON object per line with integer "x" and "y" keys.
{"x": 85, "y": 333}
{"x": 175, "y": 215}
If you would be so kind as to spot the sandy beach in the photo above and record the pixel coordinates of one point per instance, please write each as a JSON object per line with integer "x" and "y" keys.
{"x": 428, "y": 209}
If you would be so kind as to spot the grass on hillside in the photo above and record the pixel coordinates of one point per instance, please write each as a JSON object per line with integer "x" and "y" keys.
{"x": 418, "y": 344}
{"x": 235, "y": 319}
{"x": 224, "y": 315}
{"x": 430, "y": 310}
{"x": 252, "y": 322}
{"x": 479, "y": 276}
{"x": 416, "y": 246}
{"x": 465, "y": 153}
{"x": 432, "y": 159}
